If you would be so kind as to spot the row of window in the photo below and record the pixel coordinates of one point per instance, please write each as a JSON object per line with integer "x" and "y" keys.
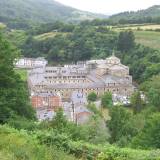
{"x": 64, "y": 71}
{"x": 55, "y": 71}
{"x": 68, "y": 81}
{"x": 84, "y": 90}
{"x": 65, "y": 77}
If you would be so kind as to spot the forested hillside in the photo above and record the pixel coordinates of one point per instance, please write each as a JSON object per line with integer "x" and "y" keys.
{"x": 23, "y": 13}
{"x": 149, "y": 15}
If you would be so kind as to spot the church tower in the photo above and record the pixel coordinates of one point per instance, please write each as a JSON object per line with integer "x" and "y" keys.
{"x": 112, "y": 60}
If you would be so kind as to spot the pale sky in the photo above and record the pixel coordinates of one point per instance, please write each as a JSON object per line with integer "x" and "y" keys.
{"x": 110, "y": 6}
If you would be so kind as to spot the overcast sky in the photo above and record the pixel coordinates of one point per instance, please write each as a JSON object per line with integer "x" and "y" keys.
{"x": 110, "y": 6}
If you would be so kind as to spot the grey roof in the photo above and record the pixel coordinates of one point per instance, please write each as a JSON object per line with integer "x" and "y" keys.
{"x": 38, "y": 77}
{"x": 45, "y": 94}
{"x": 81, "y": 109}
{"x": 65, "y": 71}
{"x": 75, "y": 86}
{"x": 39, "y": 70}
{"x": 119, "y": 66}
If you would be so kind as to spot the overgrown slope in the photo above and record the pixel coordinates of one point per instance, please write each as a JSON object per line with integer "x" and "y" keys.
{"x": 18, "y": 145}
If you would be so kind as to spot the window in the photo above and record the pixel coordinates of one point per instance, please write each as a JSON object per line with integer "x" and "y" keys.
{"x": 63, "y": 71}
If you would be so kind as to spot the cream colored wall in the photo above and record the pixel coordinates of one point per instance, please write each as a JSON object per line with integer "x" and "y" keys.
{"x": 66, "y": 93}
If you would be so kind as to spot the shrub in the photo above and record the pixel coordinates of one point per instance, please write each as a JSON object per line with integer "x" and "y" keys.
{"x": 106, "y": 100}
{"x": 92, "y": 97}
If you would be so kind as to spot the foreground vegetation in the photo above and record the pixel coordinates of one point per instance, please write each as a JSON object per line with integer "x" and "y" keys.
{"x": 17, "y": 145}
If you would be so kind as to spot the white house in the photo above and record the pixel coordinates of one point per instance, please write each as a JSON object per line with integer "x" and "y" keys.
{"x": 30, "y": 63}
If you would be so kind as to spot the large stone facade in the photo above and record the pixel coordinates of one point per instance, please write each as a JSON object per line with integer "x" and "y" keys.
{"x": 95, "y": 75}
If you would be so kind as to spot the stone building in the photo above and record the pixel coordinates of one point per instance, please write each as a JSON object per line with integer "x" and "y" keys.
{"x": 95, "y": 75}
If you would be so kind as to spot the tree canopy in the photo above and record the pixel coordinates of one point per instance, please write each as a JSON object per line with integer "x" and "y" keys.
{"x": 92, "y": 97}
{"x": 106, "y": 100}
{"x": 14, "y": 98}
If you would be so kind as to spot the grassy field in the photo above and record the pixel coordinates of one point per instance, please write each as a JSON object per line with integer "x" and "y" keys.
{"x": 146, "y": 35}
{"x": 22, "y": 73}
{"x": 148, "y": 38}
{"x": 17, "y": 37}
{"x": 2, "y": 25}
{"x": 45, "y": 35}
{"x": 138, "y": 27}
{"x": 48, "y": 35}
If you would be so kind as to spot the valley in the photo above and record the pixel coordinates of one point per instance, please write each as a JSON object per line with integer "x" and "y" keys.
{"x": 67, "y": 83}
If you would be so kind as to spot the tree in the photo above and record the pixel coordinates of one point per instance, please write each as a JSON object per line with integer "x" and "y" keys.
{"x": 14, "y": 99}
{"x": 154, "y": 97}
{"x": 59, "y": 122}
{"x": 92, "y": 107}
{"x": 153, "y": 69}
{"x": 120, "y": 124}
{"x": 126, "y": 41}
{"x": 149, "y": 137}
{"x": 152, "y": 90}
{"x": 106, "y": 100}
{"x": 136, "y": 102}
{"x": 97, "y": 130}
{"x": 92, "y": 97}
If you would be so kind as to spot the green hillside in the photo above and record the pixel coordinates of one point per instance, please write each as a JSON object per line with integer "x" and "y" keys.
{"x": 142, "y": 15}
{"x": 39, "y": 11}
